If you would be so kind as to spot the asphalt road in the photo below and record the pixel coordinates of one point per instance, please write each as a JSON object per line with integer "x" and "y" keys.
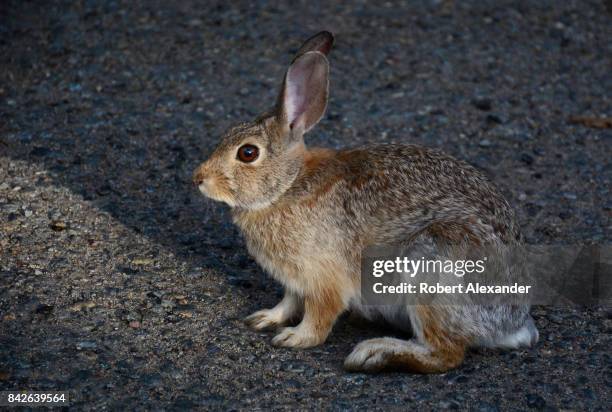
{"x": 121, "y": 284}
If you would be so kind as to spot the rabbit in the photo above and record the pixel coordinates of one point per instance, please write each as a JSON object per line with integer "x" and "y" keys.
{"x": 307, "y": 215}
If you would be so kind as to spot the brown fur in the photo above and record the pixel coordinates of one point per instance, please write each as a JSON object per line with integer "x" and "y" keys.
{"x": 455, "y": 233}
{"x": 323, "y": 308}
{"x": 307, "y": 215}
{"x": 447, "y": 348}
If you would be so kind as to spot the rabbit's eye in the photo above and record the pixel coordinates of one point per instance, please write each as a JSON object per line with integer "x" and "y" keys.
{"x": 248, "y": 153}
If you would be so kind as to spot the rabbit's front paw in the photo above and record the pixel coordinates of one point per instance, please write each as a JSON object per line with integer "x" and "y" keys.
{"x": 264, "y": 320}
{"x": 297, "y": 337}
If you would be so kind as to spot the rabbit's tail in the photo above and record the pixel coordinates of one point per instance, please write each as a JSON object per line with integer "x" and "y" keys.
{"x": 524, "y": 337}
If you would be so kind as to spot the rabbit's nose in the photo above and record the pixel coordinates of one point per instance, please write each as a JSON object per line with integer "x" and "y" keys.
{"x": 198, "y": 177}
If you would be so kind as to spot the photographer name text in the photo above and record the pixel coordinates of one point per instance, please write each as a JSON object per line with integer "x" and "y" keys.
{"x": 426, "y": 288}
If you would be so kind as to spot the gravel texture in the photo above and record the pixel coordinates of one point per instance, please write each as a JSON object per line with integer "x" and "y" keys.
{"x": 121, "y": 284}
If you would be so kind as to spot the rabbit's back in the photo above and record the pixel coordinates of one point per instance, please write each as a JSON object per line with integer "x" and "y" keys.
{"x": 388, "y": 193}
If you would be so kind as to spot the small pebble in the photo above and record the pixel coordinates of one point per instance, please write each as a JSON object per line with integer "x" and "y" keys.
{"x": 79, "y": 306}
{"x": 570, "y": 196}
{"x": 482, "y": 103}
{"x": 86, "y": 345}
{"x": 142, "y": 261}
{"x": 527, "y": 159}
{"x": 57, "y": 226}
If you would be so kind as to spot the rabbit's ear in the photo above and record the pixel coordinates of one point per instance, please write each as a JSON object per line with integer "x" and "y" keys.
{"x": 321, "y": 42}
{"x": 304, "y": 96}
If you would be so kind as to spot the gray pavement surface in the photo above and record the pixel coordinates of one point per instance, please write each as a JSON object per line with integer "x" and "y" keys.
{"x": 121, "y": 284}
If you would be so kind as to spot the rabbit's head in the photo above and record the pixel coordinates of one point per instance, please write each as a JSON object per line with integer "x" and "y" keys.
{"x": 256, "y": 162}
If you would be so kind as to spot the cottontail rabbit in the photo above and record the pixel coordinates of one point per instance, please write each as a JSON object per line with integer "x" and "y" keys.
{"x": 307, "y": 215}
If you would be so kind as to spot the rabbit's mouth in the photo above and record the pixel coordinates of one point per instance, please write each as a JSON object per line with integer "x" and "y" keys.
{"x": 211, "y": 188}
